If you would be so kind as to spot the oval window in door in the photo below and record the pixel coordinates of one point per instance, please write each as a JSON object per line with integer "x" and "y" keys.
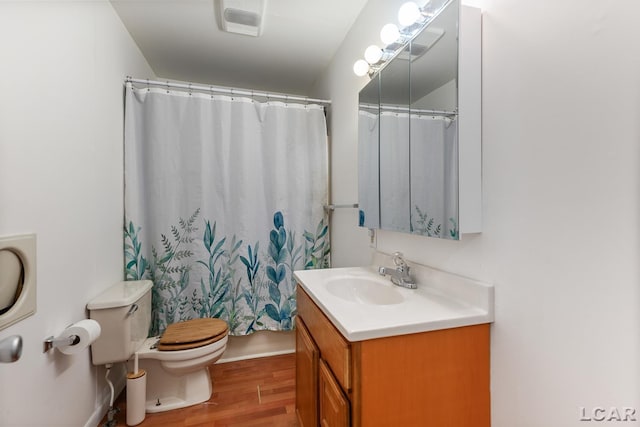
{"x": 11, "y": 279}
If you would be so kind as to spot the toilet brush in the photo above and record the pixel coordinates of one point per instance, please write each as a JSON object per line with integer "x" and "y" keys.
{"x": 136, "y": 394}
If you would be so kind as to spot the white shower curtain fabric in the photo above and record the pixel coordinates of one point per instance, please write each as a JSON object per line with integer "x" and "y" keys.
{"x": 368, "y": 169}
{"x": 418, "y": 160}
{"x": 395, "y": 199}
{"x": 223, "y": 201}
{"x": 434, "y": 176}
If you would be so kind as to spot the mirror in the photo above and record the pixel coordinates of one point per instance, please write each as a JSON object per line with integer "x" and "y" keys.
{"x": 417, "y": 187}
{"x": 368, "y": 154}
{"x": 434, "y": 132}
{"x": 394, "y": 146}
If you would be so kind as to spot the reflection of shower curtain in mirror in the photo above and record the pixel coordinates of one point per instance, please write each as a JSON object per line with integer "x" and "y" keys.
{"x": 368, "y": 184}
{"x": 394, "y": 171}
{"x": 434, "y": 176}
{"x": 223, "y": 200}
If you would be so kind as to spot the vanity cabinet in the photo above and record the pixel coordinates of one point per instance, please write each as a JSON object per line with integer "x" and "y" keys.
{"x": 438, "y": 378}
{"x": 307, "y": 359}
{"x": 334, "y": 405}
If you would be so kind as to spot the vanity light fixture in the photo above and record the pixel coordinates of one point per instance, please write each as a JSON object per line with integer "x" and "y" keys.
{"x": 361, "y": 68}
{"x": 389, "y": 34}
{"x": 412, "y": 18}
{"x": 409, "y": 14}
{"x": 373, "y": 54}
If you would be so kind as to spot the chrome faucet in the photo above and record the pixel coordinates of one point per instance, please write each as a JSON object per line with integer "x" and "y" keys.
{"x": 400, "y": 275}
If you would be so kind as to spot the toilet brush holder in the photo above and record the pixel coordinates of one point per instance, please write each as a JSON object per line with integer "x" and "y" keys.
{"x": 136, "y": 397}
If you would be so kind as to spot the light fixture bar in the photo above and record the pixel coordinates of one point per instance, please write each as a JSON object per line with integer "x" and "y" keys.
{"x": 413, "y": 18}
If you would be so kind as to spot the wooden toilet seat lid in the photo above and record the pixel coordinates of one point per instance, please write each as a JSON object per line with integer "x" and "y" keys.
{"x": 192, "y": 334}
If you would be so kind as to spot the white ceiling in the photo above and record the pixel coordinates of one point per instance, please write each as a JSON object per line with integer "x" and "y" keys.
{"x": 182, "y": 40}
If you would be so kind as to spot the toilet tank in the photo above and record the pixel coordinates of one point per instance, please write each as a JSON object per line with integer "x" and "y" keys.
{"x": 124, "y": 314}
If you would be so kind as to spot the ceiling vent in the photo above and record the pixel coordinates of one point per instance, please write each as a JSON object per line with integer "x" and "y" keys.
{"x": 242, "y": 16}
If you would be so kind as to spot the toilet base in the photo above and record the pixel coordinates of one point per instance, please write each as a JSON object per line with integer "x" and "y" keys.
{"x": 172, "y": 391}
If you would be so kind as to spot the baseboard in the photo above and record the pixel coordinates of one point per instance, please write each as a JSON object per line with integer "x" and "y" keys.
{"x": 259, "y": 344}
{"x": 254, "y": 356}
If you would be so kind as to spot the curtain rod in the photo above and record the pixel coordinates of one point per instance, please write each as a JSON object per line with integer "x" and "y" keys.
{"x": 226, "y": 90}
{"x": 333, "y": 207}
{"x": 407, "y": 109}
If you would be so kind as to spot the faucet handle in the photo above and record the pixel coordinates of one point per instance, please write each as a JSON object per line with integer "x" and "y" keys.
{"x": 398, "y": 259}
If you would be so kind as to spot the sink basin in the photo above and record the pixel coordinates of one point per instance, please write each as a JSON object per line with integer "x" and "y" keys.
{"x": 364, "y": 290}
{"x": 363, "y": 305}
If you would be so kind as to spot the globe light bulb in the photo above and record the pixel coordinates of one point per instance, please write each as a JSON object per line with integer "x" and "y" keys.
{"x": 373, "y": 54}
{"x": 361, "y": 67}
{"x": 408, "y": 13}
{"x": 389, "y": 34}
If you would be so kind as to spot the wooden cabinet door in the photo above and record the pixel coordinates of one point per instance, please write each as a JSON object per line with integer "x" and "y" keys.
{"x": 307, "y": 357}
{"x": 334, "y": 406}
{"x": 335, "y": 350}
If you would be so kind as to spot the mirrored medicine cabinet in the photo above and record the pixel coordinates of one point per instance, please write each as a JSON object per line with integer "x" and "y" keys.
{"x": 419, "y": 131}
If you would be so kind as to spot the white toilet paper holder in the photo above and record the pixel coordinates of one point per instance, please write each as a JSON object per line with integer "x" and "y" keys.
{"x": 52, "y": 342}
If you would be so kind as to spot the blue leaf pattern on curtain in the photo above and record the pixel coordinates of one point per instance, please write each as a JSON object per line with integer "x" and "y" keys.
{"x": 242, "y": 290}
{"x": 220, "y": 240}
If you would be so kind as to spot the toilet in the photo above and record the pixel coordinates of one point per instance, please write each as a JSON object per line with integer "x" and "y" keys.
{"x": 176, "y": 363}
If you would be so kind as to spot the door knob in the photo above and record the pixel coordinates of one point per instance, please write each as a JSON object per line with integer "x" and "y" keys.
{"x": 10, "y": 349}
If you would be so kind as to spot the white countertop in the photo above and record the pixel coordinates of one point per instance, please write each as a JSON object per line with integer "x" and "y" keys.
{"x": 442, "y": 300}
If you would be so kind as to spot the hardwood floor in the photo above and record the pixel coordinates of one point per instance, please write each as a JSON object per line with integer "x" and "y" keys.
{"x": 247, "y": 393}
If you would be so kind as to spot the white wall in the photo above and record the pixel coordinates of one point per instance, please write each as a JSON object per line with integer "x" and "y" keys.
{"x": 61, "y": 125}
{"x": 561, "y": 186}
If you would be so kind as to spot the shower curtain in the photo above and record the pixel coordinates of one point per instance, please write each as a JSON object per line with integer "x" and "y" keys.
{"x": 368, "y": 168}
{"x": 418, "y": 161}
{"x": 434, "y": 176}
{"x": 223, "y": 201}
{"x": 395, "y": 182}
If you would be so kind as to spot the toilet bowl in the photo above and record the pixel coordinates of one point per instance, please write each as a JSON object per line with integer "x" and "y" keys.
{"x": 176, "y": 363}
{"x": 177, "y": 379}
{"x": 182, "y": 361}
